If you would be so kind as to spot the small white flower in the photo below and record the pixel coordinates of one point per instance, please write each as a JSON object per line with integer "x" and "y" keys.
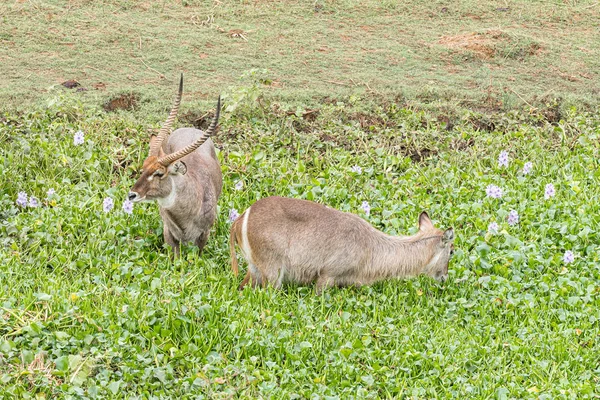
{"x": 78, "y": 138}
{"x": 527, "y": 168}
{"x": 549, "y": 191}
{"x": 569, "y": 257}
{"x": 128, "y": 207}
{"x": 503, "y": 159}
{"x": 366, "y": 207}
{"x": 239, "y": 185}
{"x": 493, "y": 228}
{"x": 356, "y": 169}
{"x": 108, "y": 204}
{"x": 513, "y": 217}
{"x": 22, "y": 199}
{"x": 33, "y": 202}
{"x": 493, "y": 191}
{"x": 233, "y": 215}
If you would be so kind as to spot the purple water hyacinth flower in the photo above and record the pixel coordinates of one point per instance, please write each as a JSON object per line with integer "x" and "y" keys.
{"x": 128, "y": 207}
{"x": 366, "y": 207}
{"x": 22, "y": 199}
{"x": 108, "y": 204}
{"x": 78, "y": 138}
{"x": 503, "y": 159}
{"x": 493, "y": 191}
{"x": 493, "y": 228}
{"x": 356, "y": 169}
{"x": 33, "y": 202}
{"x": 233, "y": 215}
{"x": 569, "y": 257}
{"x": 239, "y": 185}
{"x": 549, "y": 192}
{"x": 51, "y": 192}
{"x": 513, "y": 217}
{"x": 527, "y": 168}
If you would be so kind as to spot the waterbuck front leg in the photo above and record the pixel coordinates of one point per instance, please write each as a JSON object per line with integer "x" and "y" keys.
{"x": 171, "y": 241}
{"x": 323, "y": 282}
{"x": 201, "y": 241}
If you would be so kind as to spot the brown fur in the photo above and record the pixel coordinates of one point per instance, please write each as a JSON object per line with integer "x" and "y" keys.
{"x": 290, "y": 240}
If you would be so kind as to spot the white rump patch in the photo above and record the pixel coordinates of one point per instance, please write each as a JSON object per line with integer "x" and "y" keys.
{"x": 245, "y": 243}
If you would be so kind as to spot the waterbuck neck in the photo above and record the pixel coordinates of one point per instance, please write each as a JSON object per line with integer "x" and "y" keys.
{"x": 401, "y": 256}
{"x": 169, "y": 201}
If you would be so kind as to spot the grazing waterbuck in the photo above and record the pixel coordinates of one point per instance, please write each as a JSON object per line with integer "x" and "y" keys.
{"x": 290, "y": 240}
{"x": 183, "y": 175}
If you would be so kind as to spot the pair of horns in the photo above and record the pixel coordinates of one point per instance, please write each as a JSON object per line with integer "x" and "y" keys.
{"x": 166, "y": 130}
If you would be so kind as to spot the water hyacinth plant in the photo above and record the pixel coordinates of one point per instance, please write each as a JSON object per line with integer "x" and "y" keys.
{"x": 233, "y": 215}
{"x": 527, "y": 168}
{"x": 568, "y": 257}
{"x": 549, "y": 191}
{"x": 493, "y": 191}
{"x": 22, "y": 199}
{"x": 356, "y": 169}
{"x": 128, "y": 207}
{"x": 94, "y": 300}
{"x": 366, "y": 208}
{"x": 78, "y": 138}
{"x": 107, "y": 204}
{"x": 513, "y": 218}
{"x": 503, "y": 159}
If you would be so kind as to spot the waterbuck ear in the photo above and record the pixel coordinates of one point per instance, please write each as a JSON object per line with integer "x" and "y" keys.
{"x": 178, "y": 167}
{"x": 448, "y": 236}
{"x": 425, "y": 222}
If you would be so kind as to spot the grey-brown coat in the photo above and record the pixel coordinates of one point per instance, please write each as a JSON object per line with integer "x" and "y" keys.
{"x": 290, "y": 240}
{"x": 182, "y": 173}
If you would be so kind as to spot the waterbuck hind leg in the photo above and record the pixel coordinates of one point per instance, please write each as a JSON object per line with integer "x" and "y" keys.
{"x": 245, "y": 281}
{"x": 253, "y": 276}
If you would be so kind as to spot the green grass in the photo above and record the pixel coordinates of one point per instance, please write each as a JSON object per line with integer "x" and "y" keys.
{"x": 422, "y": 95}
{"x": 92, "y": 306}
{"x": 482, "y": 54}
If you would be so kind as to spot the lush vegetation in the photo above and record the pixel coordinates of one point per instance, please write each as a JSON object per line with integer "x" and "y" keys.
{"x": 484, "y": 114}
{"x": 91, "y": 305}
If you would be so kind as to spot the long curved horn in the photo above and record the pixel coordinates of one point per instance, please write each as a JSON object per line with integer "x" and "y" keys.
{"x": 170, "y": 158}
{"x": 166, "y": 128}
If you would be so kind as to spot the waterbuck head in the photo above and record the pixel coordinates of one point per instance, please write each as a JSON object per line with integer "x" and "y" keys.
{"x": 152, "y": 184}
{"x": 443, "y": 247}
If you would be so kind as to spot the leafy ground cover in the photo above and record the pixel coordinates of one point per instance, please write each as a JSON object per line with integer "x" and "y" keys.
{"x": 91, "y": 306}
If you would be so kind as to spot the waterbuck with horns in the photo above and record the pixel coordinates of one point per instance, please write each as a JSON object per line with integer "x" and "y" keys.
{"x": 183, "y": 175}
{"x": 290, "y": 240}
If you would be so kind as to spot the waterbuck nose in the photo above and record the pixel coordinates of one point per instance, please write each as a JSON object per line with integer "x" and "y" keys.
{"x": 131, "y": 195}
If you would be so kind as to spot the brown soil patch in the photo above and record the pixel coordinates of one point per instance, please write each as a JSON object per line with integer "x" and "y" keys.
{"x": 482, "y": 44}
{"x": 126, "y": 101}
{"x": 196, "y": 119}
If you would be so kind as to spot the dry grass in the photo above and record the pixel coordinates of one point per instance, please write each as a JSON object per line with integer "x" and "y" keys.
{"x": 312, "y": 50}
